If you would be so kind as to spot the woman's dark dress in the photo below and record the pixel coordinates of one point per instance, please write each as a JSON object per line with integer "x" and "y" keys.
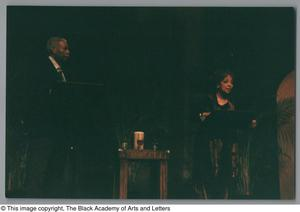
{"x": 212, "y": 171}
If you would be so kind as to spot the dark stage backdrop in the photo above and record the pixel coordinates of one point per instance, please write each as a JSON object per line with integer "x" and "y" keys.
{"x": 154, "y": 63}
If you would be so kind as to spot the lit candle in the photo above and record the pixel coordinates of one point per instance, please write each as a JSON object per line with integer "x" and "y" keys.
{"x": 138, "y": 140}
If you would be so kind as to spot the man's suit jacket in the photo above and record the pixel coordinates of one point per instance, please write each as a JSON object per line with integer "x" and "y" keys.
{"x": 44, "y": 98}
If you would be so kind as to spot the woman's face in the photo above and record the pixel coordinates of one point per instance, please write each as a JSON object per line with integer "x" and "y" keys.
{"x": 226, "y": 84}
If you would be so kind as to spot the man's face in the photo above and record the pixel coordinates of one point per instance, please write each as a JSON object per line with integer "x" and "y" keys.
{"x": 61, "y": 51}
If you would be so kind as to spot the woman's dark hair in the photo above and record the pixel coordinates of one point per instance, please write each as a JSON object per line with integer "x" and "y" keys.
{"x": 219, "y": 75}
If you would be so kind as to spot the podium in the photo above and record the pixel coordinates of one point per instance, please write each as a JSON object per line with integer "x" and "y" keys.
{"x": 82, "y": 105}
{"x": 229, "y": 119}
{"x": 83, "y": 111}
{"x": 227, "y": 147}
{"x": 224, "y": 123}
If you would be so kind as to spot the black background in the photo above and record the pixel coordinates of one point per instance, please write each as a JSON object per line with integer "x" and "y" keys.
{"x": 155, "y": 61}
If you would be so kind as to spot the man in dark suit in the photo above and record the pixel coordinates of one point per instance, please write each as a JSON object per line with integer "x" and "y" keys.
{"x": 50, "y": 146}
{"x": 43, "y": 88}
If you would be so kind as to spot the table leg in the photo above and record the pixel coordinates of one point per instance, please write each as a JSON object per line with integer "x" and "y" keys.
{"x": 163, "y": 179}
{"x": 123, "y": 179}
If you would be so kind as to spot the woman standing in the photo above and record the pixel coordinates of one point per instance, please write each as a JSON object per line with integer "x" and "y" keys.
{"x": 216, "y": 150}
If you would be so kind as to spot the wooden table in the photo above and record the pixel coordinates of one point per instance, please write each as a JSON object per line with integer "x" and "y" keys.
{"x": 128, "y": 155}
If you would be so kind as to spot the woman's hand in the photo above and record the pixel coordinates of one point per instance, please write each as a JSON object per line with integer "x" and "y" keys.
{"x": 253, "y": 123}
{"x": 204, "y": 115}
